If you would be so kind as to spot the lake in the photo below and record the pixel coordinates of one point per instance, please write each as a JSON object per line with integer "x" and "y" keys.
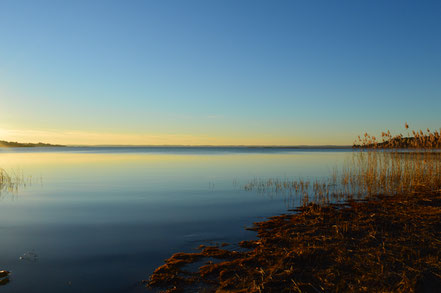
{"x": 101, "y": 219}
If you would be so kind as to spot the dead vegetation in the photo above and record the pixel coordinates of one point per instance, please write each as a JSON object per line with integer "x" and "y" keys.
{"x": 364, "y": 174}
{"x": 418, "y": 140}
{"x": 384, "y": 244}
{"x": 4, "y": 277}
{"x": 375, "y": 226}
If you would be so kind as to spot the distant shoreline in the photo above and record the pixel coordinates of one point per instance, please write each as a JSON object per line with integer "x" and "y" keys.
{"x": 40, "y": 144}
{"x": 14, "y": 144}
{"x": 219, "y": 146}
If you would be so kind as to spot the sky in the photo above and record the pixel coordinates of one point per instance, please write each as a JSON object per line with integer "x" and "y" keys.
{"x": 225, "y": 72}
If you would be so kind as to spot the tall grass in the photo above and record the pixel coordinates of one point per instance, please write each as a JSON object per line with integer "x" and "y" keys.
{"x": 11, "y": 182}
{"x": 418, "y": 140}
{"x": 395, "y": 165}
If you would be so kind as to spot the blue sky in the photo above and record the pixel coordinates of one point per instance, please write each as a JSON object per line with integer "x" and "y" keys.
{"x": 217, "y": 72}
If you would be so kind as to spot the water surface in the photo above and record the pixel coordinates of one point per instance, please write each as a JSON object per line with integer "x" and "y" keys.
{"x": 100, "y": 219}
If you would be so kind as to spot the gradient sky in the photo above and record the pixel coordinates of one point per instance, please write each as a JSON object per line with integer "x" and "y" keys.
{"x": 217, "y": 72}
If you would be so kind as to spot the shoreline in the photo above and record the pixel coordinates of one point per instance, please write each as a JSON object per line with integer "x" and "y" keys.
{"x": 384, "y": 243}
{"x": 14, "y": 144}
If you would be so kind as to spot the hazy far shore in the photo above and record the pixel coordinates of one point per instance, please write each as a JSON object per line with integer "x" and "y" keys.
{"x": 14, "y": 144}
{"x": 40, "y": 144}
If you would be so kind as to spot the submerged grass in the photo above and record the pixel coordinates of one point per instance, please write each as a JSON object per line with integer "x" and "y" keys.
{"x": 10, "y": 182}
{"x": 373, "y": 225}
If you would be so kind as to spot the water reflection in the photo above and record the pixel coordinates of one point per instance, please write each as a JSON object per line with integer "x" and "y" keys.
{"x": 116, "y": 215}
{"x": 363, "y": 174}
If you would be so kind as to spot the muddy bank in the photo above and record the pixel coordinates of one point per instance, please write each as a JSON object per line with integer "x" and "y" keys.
{"x": 387, "y": 243}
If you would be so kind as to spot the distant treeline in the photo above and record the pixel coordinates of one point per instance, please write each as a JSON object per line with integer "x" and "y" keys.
{"x": 14, "y": 144}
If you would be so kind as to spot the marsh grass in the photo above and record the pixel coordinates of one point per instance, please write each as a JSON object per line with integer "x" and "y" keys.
{"x": 11, "y": 181}
{"x": 374, "y": 168}
{"x": 418, "y": 140}
{"x": 365, "y": 174}
{"x": 386, "y": 242}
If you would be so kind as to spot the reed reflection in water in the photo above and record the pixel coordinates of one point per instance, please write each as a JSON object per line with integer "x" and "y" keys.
{"x": 364, "y": 174}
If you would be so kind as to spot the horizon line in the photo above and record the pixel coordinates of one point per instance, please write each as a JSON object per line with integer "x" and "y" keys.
{"x": 208, "y": 145}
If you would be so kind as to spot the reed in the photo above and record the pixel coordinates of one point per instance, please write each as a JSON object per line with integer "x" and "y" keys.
{"x": 418, "y": 140}
{"x": 10, "y": 182}
{"x": 388, "y": 242}
{"x": 398, "y": 165}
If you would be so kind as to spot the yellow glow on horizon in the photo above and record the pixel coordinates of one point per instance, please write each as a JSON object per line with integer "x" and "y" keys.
{"x": 77, "y": 137}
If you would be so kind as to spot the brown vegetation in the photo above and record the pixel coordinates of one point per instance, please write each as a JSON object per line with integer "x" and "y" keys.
{"x": 387, "y": 243}
{"x": 373, "y": 225}
{"x": 364, "y": 174}
{"x": 419, "y": 140}
{"x": 4, "y": 277}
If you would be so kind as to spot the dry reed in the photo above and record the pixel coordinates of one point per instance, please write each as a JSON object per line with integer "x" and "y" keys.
{"x": 374, "y": 168}
{"x": 384, "y": 236}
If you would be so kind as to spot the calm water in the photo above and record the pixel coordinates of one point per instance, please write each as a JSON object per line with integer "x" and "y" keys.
{"x": 102, "y": 219}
